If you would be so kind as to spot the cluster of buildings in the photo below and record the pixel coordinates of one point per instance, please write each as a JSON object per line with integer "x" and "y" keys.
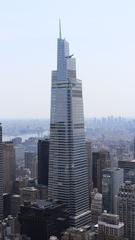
{"x": 61, "y": 187}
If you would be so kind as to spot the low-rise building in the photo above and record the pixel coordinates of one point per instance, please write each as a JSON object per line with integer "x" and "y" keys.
{"x": 110, "y": 227}
{"x": 83, "y": 233}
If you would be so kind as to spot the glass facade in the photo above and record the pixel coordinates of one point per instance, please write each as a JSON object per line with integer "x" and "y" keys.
{"x": 111, "y": 181}
{"x": 68, "y": 176}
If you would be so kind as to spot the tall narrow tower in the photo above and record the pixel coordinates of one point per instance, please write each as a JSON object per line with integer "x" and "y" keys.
{"x": 68, "y": 174}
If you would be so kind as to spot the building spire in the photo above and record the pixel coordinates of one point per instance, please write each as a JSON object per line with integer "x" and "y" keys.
{"x": 59, "y": 28}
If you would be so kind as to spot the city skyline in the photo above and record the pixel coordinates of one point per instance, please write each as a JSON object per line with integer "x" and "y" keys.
{"x": 102, "y": 39}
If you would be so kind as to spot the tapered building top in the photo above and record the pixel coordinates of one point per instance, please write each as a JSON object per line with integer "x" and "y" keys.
{"x": 59, "y": 28}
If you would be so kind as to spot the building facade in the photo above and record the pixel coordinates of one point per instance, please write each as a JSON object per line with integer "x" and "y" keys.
{"x": 100, "y": 161}
{"x": 95, "y": 159}
{"x": 29, "y": 194}
{"x": 111, "y": 182}
{"x": 126, "y": 209}
{"x": 89, "y": 163}
{"x": 31, "y": 162}
{"x": 104, "y": 162}
{"x": 129, "y": 170}
{"x": 110, "y": 227}
{"x": 9, "y": 164}
{"x": 68, "y": 174}
{"x": 43, "y": 161}
{"x": 96, "y": 206}
{"x": 42, "y": 219}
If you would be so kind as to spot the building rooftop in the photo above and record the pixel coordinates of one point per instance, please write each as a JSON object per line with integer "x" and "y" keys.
{"x": 43, "y": 204}
{"x": 112, "y": 169}
{"x": 110, "y": 220}
{"x": 30, "y": 189}
{"x": 81, "y": 229}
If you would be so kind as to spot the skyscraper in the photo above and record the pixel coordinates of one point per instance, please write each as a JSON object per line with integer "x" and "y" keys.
{"x": 31, "y": 162}
{"x": 9, "y": 166}
{"x": 89, "y": 162}
{"x": 95, "y": 159}
{"x": 68, "y": 174}
{"x": 100, "y": 161}
{"x": 43, "y": 161}
{"x": 129, "y": 170}
{"x": 1, "y": 174}
{"x": 103, "y": 162}
{"x": 111, "y": 182}
{"x": 126, "y": 209}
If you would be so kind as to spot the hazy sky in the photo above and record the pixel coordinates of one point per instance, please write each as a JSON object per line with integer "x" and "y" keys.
{"x": 102, "y": 37}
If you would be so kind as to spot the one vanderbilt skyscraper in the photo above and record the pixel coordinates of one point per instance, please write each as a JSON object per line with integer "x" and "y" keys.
{"x": 68, "y": 174}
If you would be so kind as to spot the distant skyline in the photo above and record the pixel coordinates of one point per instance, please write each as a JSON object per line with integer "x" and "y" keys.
{"x": 102, "y": 36}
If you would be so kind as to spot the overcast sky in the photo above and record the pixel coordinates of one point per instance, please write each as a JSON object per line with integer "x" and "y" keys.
{"x": 102, "y": 38}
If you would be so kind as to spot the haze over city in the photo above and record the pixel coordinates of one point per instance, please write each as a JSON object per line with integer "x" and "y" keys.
{"x": 67, "y": 121}
{"x": 102, "y": 37}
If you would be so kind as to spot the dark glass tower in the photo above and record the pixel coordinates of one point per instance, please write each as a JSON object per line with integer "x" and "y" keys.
{"x": 68, "y": 174}
{"x": 43, "y": 161}
{"x": 42, "y": 219}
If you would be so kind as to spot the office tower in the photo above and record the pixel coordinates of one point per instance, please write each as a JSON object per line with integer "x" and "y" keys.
{"x": 43, "y": 161}
{"x": 89, "y": 164}
{"x": 42, "y": 219}
{"x": 110, "y": 227}
{"x": 11, "y": 204}
{"x": 100, "y": 161}
{"x": 126, "y": 209}
{"x": 19, "y": 154}
{"x": 31, "y": 162}
{"x": 15, "y": 202}
{"x": 1, "y": 175}
{"x": 96, "y": 205}
{"x": 31, "y": 144}
{"x": 9, "y": 166}
{"x": 104, "y": 162}
{"x": 95, "y": 159}
{"x": 68, "y": 174}
{"x": 129, "y": 170}
{"x": 111, "y": 182}
{"x": 6, "y": 204}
